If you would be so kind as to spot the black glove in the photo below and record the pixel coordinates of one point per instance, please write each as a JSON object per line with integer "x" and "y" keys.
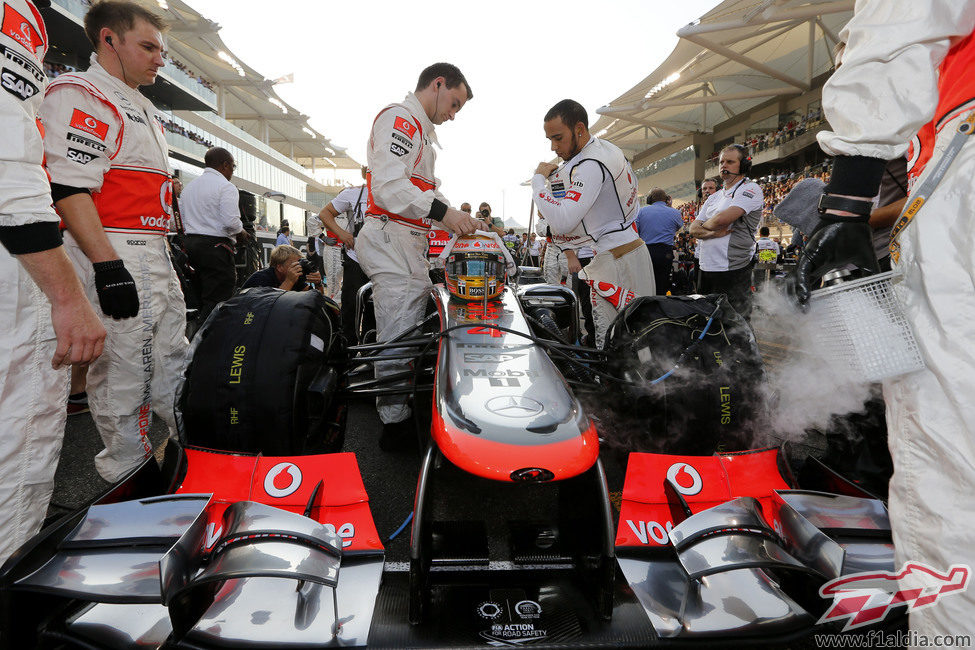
{"x": 117, "y": 294}
{"x": 834, "y": 244}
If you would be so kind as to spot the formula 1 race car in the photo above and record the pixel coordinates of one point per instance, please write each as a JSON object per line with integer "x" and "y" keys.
{"x": 515, "y": 535}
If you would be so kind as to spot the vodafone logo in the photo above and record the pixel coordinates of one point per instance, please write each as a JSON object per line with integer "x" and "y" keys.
{"x": 685, "y": 478}
{"x": 91, "y": 122}
{"x": 166, "y": 197}
{"x": 282, "y": 480}
{"x": 606, "y": 289}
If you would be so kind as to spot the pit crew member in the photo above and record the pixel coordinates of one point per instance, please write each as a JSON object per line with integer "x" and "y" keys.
{"x": 725, "y": 228}
{"x": 404, "y": 199}
{"x": 110, "y": 181}
{"x": 905, "y": 63}
{"x": 45, "y": 317}
{"x": 352, "y": 202}
{"x": 601, "y": 195}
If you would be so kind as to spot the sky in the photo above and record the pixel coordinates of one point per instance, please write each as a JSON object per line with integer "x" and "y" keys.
{"x": 350, "y": 59}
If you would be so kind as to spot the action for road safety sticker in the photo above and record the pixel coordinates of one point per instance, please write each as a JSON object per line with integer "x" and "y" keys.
{"x": 514, "y": 619}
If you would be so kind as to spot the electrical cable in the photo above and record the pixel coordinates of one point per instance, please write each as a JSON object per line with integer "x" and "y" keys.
{"x": 108, "y": 39}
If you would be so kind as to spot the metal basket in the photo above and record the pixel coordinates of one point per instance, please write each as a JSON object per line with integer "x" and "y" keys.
{"x": 860, "y": 324}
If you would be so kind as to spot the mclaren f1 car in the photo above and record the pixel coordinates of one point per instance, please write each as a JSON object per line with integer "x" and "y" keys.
{"x": 247, "y": 536}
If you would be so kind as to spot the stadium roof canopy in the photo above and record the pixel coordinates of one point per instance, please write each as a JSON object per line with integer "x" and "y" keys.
{"x": 248, "y": 99}
{"x": 738, "y": 55}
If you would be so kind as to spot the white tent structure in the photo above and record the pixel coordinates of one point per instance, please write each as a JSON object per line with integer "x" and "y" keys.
{"x": 738, "y": 56}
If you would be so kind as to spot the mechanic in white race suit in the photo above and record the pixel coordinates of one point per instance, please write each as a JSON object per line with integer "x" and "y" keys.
{"x": 111, "y": 183}
{"x": 554, "y": 264}
{"x": 45, "y": 317}
{"x": 601, "y": 195}
{"x": 403, "y": 199}
{"x": 888, "y": 86}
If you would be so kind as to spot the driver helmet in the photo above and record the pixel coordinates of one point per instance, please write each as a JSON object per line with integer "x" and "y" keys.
{"x": 476, "y": 264}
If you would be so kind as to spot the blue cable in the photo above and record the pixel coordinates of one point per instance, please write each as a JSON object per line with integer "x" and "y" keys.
{"x": 676, "y": 365}
{"x": 400, "y": 529}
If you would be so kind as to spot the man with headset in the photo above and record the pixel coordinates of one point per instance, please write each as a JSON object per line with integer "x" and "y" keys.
{"x": 111, "y": 184}
{"x": 404, "y": 201}
{"x": 725, "y": 227}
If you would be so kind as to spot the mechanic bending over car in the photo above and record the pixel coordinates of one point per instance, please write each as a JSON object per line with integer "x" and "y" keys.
{"x": 600, "y": 193}
{"x": 111, "y": 183}
{"x": 45, "y": 317}
{"x": 404, "y": 198}
{"x": 288, "y": 270}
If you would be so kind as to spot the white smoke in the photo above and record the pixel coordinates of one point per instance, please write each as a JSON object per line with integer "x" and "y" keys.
{"x": 808, "y": 386}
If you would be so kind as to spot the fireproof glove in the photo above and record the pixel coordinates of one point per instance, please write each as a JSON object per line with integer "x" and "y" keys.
{"x": 116, "y": 290}
{"x": 836, "y": 243}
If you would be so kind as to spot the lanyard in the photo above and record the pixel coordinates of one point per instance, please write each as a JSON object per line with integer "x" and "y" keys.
{"x": 965, "y": 129}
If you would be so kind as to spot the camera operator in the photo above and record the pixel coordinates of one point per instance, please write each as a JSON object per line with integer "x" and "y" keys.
{"x": 493, "y": 223}
{"x": 289, "y": 271}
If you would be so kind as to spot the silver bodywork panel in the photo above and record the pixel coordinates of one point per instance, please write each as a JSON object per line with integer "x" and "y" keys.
{"x": 501, "y": 384}
{"x": 742, "y": 515}
{"x": 260, "y": 612}
{"x": 742, "y": 602}
{"x": 113, "y": 555}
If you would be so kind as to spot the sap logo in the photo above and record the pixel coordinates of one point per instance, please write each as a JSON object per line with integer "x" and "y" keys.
{"x": 155, "y": 222}
{"x": 486, "y": 357}
{"x": 346, "y": 531}
{"x": 16, "y": 85}
{"x": 647, "y": 530}
{"x": 77, "y": 139}
{"x": 80, "y": 157}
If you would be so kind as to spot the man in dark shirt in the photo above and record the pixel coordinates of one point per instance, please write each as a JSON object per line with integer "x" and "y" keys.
{"x": 285, "y": 272}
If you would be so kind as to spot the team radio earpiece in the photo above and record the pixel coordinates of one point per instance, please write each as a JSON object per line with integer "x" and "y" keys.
{"x": 746, "y": 160}
{"x": 108, "y": 39}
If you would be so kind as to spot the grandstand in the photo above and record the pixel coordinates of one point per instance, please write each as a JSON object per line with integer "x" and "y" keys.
{"x": 748, "y": 71}
{"x": 209, "y": 97}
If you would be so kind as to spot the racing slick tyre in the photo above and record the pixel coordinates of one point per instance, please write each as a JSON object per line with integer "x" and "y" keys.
{"x": 263, "y": 375}
{"x": 687, "y": 393}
